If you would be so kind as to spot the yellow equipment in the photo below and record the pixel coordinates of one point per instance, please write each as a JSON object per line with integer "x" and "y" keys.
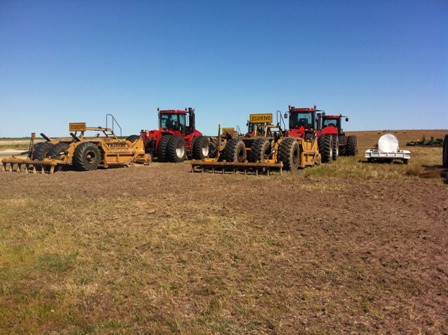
{"x": 80, "y": 152}
{"x": 262, "y": 149}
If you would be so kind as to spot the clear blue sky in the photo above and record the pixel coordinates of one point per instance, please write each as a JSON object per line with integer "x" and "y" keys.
{"x": 383, "y": 63}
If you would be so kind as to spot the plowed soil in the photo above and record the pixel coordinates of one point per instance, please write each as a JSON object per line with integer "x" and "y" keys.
{"x": 345, "y": 248}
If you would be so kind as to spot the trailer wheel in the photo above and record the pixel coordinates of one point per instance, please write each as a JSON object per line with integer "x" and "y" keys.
{"x": 132, "y": 138}
{"x": 260, "y": 150}
{"x": 445, "y": 151}
{"x": 335, "y": 147}
{"x": 57, "y": 149}
{"x": 201, "y": 148}
{"x": 234, "y": 151}
{"x": 326, "y": 147}
{"x": 289, "y": 154}
{"x": 352, "y": 146}
{"x": 162, "y": 148}
{"x": 87, "y": 157}
{"x": 40, "y": 150}
{"x": 175, "y": 150}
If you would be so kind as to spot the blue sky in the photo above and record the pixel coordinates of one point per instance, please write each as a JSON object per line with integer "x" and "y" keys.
{"x": 383, "y": 63}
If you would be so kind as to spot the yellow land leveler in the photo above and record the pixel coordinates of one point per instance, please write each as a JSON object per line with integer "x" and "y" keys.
{"x": 262, "y": 149}
{"x": 80, "y": 152}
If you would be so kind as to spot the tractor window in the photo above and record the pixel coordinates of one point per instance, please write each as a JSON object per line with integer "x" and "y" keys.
{"x": 172, "y": 121}
{"x": 298, "y": 120}
{"x": 181, "y": 123}
{"x": 330, "y": 122}
{"x": 250, "y": 128}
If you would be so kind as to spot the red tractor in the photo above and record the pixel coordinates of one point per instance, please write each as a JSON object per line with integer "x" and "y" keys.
{"x": 311, "y": 122}
{"x": 304, "y": 123}
{"x": 331, "y": 124}
{"x": 177, "y": 138}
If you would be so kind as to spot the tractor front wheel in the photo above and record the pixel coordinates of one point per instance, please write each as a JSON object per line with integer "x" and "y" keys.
{"x": 201, "y": 148}
{"x": 87, "y": 157}
{"x": 176, "y": 151}
{"x": 162, "y": 151}
{"x": 234, "y": 151}
{"x": 213, "y": 148}
{"x": 326, "y": 148}
{"x": 289, "y": 154}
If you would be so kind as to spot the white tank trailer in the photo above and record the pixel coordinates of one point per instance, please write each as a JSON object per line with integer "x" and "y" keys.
{"x": 387, "y": 150}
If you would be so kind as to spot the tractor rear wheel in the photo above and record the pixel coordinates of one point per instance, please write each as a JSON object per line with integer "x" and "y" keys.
{"x": 342, "y": 145}
{"x": 201, "y": 148}
{"x": 40, "y": 150}
{"x": 352, "y": 145}
{"x": 57, "y": 149}
{"x": 335, "y": 147}
{"x": 261, "y": 148}
{"x": 326, "y": 148}
{"x": 234, "y": 151}
{"x": 132, "y": 138}
{"x": 445, "y": 151}
{"x": 175, "y": 150}
{"x": 289, "y": 154}
{"x": 87, "y": 157}
{"x": 162, "y": 148}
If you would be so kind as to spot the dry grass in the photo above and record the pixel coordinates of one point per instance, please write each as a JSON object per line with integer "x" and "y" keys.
{"x": 348, "y": 247}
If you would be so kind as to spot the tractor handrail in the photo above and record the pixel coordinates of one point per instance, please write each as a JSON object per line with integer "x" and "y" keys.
{"x": 113, "y": 122}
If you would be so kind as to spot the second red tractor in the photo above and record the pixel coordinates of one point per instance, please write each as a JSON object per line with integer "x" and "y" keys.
{"x": 310, "y": 123}
{"x": 177, "y": 138}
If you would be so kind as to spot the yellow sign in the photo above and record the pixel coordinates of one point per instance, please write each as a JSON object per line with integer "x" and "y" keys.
{"x": 77, "y": 126}
{"x": 260, "y": 118}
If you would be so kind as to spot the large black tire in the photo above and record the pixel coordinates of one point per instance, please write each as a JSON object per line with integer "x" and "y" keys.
{"x": 352, "y": 146}
{"x": 213, "y": 148}
{"x": 289, "y": 154}
{"x": 132, "y": 138}
{"x": 87, "y": 157}
{"x": 335, "y": 147}
{"x": 342, "y": 145}
{"x": 260, "y": 150}
{"x": 162, "y": 148}
{"x": 57, "y": 149}
{"x": 40, "y": 150}
{"x": 201, "y": 148}
{"x": 176, "y": 150}
{"x": 445, "y": 152}
{"x": 234, "y": 151}
{"x": 326, "y": 147}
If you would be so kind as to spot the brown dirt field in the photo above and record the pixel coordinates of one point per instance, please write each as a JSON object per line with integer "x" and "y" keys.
{"x": 342, "y": 248}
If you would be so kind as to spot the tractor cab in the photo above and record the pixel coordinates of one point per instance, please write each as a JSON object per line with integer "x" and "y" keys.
{"x": 302, "y": 117}
{"x": 303, "y": 122}
{"x": 177, "y": 121}
{"x": 331, "y": 124}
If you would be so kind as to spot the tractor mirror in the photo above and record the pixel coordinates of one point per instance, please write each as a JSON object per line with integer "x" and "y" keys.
{"x": 285, "y": 116}
{"x": 346, "y": 119}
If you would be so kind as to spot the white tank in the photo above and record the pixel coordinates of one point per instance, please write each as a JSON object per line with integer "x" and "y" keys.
{"x": 388, "y": 143}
